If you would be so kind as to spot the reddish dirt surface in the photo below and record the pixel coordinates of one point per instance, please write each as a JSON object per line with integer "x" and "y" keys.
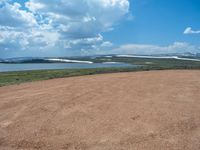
{"x": 124, "y": 111}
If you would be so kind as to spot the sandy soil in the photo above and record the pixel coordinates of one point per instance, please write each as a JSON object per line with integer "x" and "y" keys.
{"x": 124, "y": 111}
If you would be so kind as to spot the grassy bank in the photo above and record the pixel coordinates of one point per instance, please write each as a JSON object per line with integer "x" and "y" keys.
{"x": 29, "y": 76}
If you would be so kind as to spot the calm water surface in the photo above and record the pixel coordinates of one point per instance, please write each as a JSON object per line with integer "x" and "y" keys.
{"x": 45, "y": 66}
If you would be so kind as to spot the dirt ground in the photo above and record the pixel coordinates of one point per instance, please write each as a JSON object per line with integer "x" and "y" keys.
{"x": 155, "y": 110}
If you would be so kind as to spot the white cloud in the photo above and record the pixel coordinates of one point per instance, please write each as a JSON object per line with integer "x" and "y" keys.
{"x": 177, "y": 47}
{"x": 107, "y": 44}
{"x": 189, "y": 30}
{"x": 59, "y": 25}
{"x": 80, "y": 18}
{"x": 70, "y": 28}
{"x": 12, "y": 39}
{"x": 11, "y": 15}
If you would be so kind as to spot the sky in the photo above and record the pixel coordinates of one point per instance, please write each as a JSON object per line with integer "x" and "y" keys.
{"x": 32, "y": 28}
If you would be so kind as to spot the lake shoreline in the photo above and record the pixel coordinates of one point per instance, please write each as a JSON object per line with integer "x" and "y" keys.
{"x": 10, "y": 67}
{"x": 12, "y": 78}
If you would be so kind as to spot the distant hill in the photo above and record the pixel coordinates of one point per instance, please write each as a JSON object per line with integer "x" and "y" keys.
{"x": 98, "y": 58}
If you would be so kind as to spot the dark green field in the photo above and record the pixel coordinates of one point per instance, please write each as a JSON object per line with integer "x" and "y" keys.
{"x": 146, "y": 65}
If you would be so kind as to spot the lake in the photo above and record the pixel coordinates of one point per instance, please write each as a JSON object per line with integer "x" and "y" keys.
{"x": 48, "y": 66}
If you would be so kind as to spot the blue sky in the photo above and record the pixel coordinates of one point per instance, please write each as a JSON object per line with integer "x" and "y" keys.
{"x": 159, "y": 22}
{"x": 88, "y": 27}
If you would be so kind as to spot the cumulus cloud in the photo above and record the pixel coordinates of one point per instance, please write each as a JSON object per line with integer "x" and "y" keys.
{"x": 59, "y": 25}
{"x": 11, "y": 15}
{"x": 177, "y": 47}
{"x": 69, "y": 27}
{"x": 189, "y": 30}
